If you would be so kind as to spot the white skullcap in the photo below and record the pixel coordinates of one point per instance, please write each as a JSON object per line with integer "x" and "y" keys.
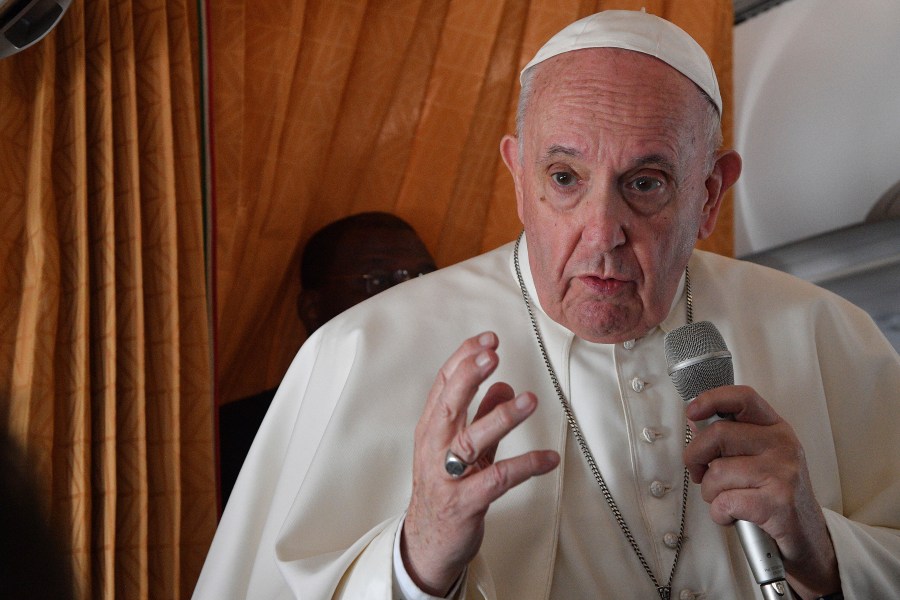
{"x": 640, "y": 32}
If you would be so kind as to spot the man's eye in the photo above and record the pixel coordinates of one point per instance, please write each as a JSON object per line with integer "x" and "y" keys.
{"x": 646, "y": 184}
{"x": 564, "y": 179}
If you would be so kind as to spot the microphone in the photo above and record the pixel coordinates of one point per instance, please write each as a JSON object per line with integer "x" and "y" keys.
{"x": 699, "y": 360}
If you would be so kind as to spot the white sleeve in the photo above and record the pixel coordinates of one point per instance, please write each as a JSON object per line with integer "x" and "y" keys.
{"x": 861, "y": 372}
{"x": 868, "y": 557}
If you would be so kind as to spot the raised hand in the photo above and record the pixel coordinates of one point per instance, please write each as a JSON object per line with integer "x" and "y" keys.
{"x": 444, "y": 524}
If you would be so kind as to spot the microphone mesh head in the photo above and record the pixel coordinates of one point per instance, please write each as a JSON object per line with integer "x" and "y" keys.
{"x": 691, "y": 341}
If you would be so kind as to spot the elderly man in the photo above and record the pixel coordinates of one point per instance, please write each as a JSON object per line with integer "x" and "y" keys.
{"x": 547, "y": 457}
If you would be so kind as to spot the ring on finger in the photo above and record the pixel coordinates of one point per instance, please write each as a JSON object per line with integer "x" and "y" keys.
{"x": 454, "y": 465}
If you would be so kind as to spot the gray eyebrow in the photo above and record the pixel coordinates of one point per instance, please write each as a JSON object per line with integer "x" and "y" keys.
{"x": 648, "y": 160}
{"x": 656, "y": 159}
{"x": 557, "y": 149}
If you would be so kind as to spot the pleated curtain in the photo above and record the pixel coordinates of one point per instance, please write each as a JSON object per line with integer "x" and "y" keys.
{"x": 123, "y": 320}
{"x": 105, "y": 355}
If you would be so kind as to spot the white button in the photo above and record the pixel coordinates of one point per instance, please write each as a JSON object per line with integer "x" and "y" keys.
{"x": 650, "y": 434}
{"x": 658, "y": 489}
{"x": 671, "y": 540}
{"x": 628, "y": 344}
{"x": 638, "y": 385}
{"x": 688, "y": 595}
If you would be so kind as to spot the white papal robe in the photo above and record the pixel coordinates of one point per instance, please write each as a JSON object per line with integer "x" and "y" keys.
{"x": 317, "y": 505}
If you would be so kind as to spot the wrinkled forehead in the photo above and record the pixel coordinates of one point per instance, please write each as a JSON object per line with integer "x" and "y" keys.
{"x": 617, "y": 65}
{"x": 620, "y": 70}
{"x": 608, "y": 101}
{"x": 613, "y": 84}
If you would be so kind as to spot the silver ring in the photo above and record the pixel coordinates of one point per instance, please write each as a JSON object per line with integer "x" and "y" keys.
{"x": 454, "y": 465}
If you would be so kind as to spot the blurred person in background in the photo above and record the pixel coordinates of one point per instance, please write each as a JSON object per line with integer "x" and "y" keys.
{"x": 342, "y": 264}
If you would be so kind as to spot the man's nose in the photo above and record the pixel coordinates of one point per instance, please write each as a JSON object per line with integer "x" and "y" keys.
{"x": 604, "y": 222}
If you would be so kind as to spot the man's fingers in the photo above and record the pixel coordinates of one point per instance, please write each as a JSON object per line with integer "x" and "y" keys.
{"x": 745, "y": 504}
{"x": 740, "y": 401}
{"x": 736, "y": 472}
{"x": 492, "y": 482}
{"x": 723, "y": 439}
{"x": 497, "y": 394}
{"x": 498, "y": 414}
{"x": 456, "y": 383}
{"x": 474, "y": 345}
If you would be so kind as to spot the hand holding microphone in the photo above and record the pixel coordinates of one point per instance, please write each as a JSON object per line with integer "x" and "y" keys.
{"x": 751, "y": 470}
{"x": 699, "y": 361}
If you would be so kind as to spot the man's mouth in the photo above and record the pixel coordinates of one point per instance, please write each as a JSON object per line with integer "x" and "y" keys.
{"x": 603, "y": 285}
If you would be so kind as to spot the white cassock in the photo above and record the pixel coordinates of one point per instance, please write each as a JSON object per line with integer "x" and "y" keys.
{"x": 316, "y": 508}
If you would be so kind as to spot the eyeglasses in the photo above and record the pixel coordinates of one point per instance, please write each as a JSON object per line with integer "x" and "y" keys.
{"x": 378, "y": 281}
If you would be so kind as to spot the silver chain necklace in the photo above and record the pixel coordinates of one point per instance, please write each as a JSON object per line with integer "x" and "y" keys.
{"x": 664, "y": 591}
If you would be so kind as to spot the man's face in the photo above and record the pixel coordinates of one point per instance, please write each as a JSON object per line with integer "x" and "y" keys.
{"x": 613, "y": 187}
{"x": 365, "y": 262}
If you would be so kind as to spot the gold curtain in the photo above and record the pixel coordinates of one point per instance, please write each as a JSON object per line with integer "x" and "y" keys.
{"x": 322, "y": 109}
{"x": 105, "y": 361}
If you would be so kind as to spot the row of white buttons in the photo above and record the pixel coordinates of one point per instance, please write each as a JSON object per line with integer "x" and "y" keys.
{"x": 659, "y": 489}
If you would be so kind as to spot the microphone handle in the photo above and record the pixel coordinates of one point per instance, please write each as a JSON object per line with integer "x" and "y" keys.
{"x": 760, "y": 549}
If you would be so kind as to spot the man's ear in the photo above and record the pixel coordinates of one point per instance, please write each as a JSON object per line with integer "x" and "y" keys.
{"x": 724, "y": 174}
{"x": 509, "y": 150}
{"x": 308, "y": 310}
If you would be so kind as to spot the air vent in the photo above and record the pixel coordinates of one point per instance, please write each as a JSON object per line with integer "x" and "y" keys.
{"x": 745, "y": 9}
